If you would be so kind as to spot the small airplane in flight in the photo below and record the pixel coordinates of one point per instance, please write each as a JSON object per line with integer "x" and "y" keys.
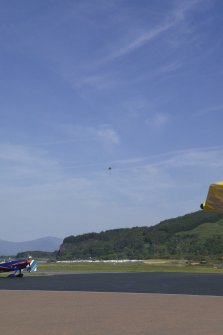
{"x": 18, "y": 266}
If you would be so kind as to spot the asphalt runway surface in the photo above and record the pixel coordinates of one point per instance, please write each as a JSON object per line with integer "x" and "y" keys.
{"x": 163, "y": 283}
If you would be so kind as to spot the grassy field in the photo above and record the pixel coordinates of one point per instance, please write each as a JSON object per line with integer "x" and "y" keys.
{"x": 147, "y": 266}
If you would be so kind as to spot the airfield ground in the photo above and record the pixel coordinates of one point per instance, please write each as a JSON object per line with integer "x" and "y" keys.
{"x": 152, "y": 265}
{"x": 156, "y": 303}
{"x": 88, "y": 313}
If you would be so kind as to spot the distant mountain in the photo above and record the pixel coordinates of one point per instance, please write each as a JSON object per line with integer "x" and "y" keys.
{"x": 42, "y": 244}
{"x": 197, "y": 235}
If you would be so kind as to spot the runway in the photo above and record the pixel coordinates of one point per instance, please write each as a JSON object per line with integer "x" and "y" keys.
{"x": 162, "y": 283}
{"x": 112, "y": 303}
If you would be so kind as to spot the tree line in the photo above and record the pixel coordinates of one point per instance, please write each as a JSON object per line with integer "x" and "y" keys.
{"x": 196, "y": 235}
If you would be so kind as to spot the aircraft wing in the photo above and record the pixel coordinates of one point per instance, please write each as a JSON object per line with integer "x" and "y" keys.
{"x": 214, "y": 201}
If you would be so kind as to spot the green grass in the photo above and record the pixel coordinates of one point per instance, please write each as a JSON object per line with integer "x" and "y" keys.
{"x": 151, "y": 266}
{"x": 130, "y": 267}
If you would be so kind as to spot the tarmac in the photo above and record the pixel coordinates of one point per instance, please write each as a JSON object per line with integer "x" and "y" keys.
{"x": 113, "y": 304}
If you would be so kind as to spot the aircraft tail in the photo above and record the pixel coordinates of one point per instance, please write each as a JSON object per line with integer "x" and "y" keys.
{"x": 33, "y": 266}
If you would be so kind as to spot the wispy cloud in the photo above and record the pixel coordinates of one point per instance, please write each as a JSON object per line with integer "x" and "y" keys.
{"x": 157, "y": 120}
{"x": 16, "y": 153}
{"x": 210, "y": 110}
{"x": 98, "y": 81}
{"x": 139, "y": 42}
{"x": 183, "y": 7}
{"x": 167, "y": 69}
{"x": 130, "y": 42}
{"x": 177, "y": 169}
{"x": 173, "y": 18}
{"x": 206, "y": 157}
{"x": 23, "y": 163}
{"x": 72, "y": 133}
{"x": 108, "y": 134}
{"x": 102, "y": 133}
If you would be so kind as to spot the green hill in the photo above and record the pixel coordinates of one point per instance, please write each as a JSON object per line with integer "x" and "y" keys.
{"x": 197, "y": 235}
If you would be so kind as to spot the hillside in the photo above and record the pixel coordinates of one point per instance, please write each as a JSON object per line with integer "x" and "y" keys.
{"x": 197, "y": 235}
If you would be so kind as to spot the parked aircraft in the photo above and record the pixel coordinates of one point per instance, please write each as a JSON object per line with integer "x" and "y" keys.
{"x": 18, "y": 266}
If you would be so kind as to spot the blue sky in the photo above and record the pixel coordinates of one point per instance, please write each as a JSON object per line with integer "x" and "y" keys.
{"x": 86, "y": 85}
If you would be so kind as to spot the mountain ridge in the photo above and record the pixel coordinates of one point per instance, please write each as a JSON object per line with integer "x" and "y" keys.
{"x": 194, "y": 235}
{"x": 48, "y": 244}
